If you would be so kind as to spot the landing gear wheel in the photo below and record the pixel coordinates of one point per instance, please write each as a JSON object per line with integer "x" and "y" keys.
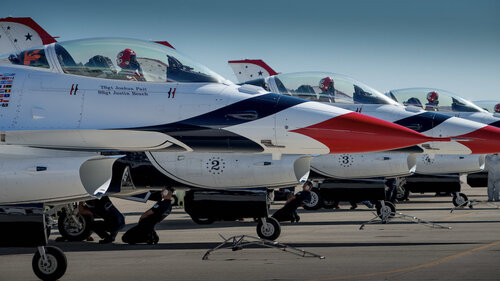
{"x": 315, "y": 202}
{"x": 74, "y": 231}
{"x": 202, "y": 220}
{"x": 270, "y": 229}
{"x": 328, "y": 204}
{"x": 459, "y": 199}
{"x": 54, "y": 267}
{"x": 386, "y": 211}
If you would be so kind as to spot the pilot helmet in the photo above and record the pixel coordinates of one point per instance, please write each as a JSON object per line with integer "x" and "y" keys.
{"x": 124, "y": 57}
{"x": 432, "y": 96}
{"x": 326, "y": 84}
{"x": 497, "y": 108}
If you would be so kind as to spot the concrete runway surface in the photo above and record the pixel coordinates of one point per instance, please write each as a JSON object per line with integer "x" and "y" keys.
{"x": 398, "y": 250}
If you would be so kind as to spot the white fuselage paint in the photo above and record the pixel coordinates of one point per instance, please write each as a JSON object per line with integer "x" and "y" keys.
{"x": 42, "y": 112}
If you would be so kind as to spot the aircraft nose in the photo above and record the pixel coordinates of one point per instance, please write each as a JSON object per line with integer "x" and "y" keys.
{"x": 482, "y": 141}
{"x": 353, "y": 133}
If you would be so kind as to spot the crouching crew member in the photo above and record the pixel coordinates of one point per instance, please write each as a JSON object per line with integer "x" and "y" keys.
{"x": 289, "y": 211}
{"x": 144, "y": 231}
{"x": 112, "y": 221}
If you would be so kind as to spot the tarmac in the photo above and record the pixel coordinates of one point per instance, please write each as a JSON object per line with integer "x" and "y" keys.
{"x": 398, "y": 250}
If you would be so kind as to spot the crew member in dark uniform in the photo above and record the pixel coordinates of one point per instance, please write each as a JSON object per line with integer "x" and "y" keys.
{"x": 289, "y": 211}
{"x": 144, "y": 231}
{"x": 112, "y": 221}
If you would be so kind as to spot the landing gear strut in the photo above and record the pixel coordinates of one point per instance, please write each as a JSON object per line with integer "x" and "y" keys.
{"x": 26, "y": 227}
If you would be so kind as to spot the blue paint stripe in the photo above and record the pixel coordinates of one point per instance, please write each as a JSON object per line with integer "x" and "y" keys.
{"x": 233, "y": 114}
{"x": 495, "y": 124}
{"x": 423, "y": 122}
{"x": 206, "y": 131}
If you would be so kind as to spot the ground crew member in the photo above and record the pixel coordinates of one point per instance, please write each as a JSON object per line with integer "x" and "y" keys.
{"x": 112, "y": 221}
{"x": 289, "y": 211}
{"x": 144, "y": 231}
{"x": 493, "y": 164}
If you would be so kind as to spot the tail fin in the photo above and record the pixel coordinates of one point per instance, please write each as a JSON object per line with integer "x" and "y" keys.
{"x": 246, "y": 70}
{"x": 22, "y": 33}
{"x": 165, "y": 43}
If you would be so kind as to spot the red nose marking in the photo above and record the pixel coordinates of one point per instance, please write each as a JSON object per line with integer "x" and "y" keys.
{"x": 483, "y": 141}
{"x": 354, "y": 132}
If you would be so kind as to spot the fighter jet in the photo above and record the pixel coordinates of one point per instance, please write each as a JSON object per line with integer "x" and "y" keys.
{"x": 73, "y": 96}
{"x": 450, "y": 104}
{"x": 345, "y": 92}
{"x": 470, "y": 137}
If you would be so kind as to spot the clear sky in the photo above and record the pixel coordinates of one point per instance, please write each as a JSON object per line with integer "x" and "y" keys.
{"x": 387, "y": 44}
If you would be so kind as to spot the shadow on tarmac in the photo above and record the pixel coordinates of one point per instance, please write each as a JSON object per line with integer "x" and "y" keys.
{"x": 92, "y": 246}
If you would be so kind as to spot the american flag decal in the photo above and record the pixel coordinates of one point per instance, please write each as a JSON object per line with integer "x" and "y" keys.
{"x": 6, "y": 81}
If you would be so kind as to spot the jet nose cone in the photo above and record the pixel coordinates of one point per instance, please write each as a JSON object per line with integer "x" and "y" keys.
{"x": 353, "y": 133}
{"x": 482, "y": 141}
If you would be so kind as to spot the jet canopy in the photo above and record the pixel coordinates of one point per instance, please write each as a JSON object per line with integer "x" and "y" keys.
{"x": 119, "y": 59}
{"x": 327, "y": 87}
{"x": 433, "y": 100}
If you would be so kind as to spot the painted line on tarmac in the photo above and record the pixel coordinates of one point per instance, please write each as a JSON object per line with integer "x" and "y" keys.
{"x": 410, "y": 268}
{"x": 457, "y": 216}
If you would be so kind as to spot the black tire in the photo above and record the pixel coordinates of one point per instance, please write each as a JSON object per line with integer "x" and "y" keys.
{"x": 315, "y": 203}
{"x": 202, "y": 220}
{"x": 459, "y": 199}
{"x": 271, "y": 230}
{"x": 70, "y": 231}
{"x": 328, "y": 204}
{"x": 388, "y": 207}
{"x": 56, "y": 266}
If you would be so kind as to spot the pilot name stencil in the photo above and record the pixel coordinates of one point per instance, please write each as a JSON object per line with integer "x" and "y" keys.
{"x": 122, "y": 91}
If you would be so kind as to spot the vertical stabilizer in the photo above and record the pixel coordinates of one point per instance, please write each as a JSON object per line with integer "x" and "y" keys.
{"x": 246, "y": 70}
{"x": 21, "y": 33}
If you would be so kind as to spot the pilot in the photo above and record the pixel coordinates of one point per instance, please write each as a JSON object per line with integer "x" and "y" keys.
{"x": 289, "y": 211}
{"x": 433, "y": 101}
{"x": 112, "y": 221}
{"x": 130, "y": 67}
{"x": 493, "y": 164}
{"x": 144, "y": 231}
{"x": 326, "y": 85}
{"x": 497, "y": 108}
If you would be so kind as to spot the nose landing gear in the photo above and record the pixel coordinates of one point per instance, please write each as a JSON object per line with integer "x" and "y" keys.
{"x": 49, "y": 263}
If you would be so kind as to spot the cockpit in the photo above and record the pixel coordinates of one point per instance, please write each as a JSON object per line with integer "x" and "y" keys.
{"x": 118, "y": 59}
{"x": 433, "y": 100}
{"x": 326, "y": 87}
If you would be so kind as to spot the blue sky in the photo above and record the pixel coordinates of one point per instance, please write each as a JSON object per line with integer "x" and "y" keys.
{"x": 387, "y": 44}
